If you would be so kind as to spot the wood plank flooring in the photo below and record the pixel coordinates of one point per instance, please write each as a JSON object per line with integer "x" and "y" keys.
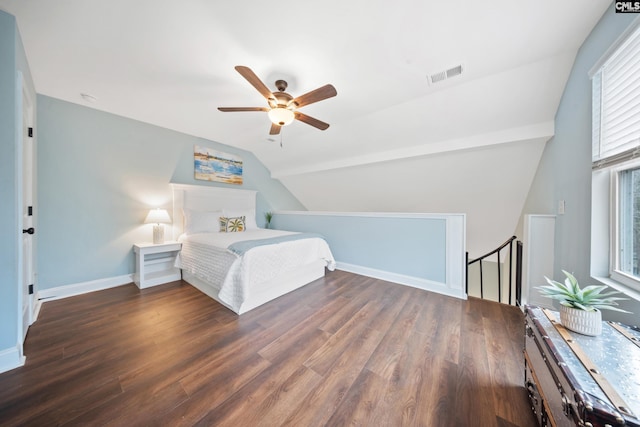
{"x": 343, "y": 350}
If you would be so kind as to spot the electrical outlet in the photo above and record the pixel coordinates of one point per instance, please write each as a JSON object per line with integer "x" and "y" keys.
{"x": 561, "y": 207}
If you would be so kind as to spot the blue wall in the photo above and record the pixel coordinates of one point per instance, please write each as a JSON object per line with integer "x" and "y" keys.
{"x": 98, "y": 176}
{"x": 412, "y": 246}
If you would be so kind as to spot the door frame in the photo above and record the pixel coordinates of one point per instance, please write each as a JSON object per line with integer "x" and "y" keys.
{"x": 24, "y": 115}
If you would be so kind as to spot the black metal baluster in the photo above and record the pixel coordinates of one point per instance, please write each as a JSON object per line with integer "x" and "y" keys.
{"x": 499, "y": 279}
{"x": 481, "y": 282}
{"x": 518, "y": 272}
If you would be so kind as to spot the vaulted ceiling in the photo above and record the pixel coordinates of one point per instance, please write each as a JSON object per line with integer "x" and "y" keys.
{"x": 397, "y": 141}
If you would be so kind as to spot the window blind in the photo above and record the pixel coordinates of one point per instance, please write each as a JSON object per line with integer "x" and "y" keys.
{"x": 616, "y": 105}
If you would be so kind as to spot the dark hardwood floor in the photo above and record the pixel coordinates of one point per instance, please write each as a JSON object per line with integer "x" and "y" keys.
{"x": 343, "y": 350}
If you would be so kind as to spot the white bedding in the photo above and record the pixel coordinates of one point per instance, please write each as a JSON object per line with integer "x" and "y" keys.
{"x": 205, "y": 255}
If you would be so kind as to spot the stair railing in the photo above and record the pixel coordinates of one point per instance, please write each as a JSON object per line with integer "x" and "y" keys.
{"x": 518, "y": 271}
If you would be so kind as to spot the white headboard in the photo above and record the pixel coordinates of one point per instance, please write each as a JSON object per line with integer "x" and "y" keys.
{"x": 205, "y": 198}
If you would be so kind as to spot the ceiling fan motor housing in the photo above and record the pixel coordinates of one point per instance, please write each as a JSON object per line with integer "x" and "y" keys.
{"x": 281, "y": 99}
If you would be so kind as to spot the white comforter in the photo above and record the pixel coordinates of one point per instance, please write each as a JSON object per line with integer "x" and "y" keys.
{"x": 206, "y": 256}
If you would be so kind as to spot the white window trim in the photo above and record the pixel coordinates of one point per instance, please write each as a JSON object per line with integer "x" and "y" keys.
{"x": 615, "y": 285}
{"x": 614, "y": 241}
{"x": 602, "y": 230}
{"x": 614, "y": 47}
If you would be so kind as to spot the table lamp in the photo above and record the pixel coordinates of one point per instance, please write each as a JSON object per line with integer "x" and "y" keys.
{"x": 158, "y": 217}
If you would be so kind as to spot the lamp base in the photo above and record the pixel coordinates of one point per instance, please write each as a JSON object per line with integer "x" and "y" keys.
{"x": 158, "y": 234}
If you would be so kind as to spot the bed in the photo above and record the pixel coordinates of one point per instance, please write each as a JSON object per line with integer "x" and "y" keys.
{"x": 241, "y": 269}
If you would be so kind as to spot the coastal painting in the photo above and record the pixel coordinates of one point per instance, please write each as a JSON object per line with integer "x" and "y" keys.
{"x": 211, "y": 165}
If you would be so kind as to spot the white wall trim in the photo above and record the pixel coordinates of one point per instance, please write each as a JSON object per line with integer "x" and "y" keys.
{"x": 66, "y": 291}
{"x": 10, "y": 358}
{"x": 445, "y": 216}
{"x": 533, "y": 133}
{"x": 18, "y": 267}
{"x": 414, "y": 282}
{"x": 456, "y": 260}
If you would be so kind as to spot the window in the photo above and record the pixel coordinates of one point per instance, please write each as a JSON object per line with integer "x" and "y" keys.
{"x": 625, "y": 255}
{"x": 616, "y": 152}
{"x": 616, "y": 104}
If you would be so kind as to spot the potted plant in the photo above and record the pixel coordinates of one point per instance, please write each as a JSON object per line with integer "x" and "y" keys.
{"x": 267, "y": 216}
{"x": 580, "y": 308}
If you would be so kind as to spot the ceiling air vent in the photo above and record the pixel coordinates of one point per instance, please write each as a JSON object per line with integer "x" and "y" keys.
{"x": 444, "y": 75}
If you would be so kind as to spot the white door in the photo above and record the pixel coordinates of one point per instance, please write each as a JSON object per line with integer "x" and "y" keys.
{"x": 28, "y": 275}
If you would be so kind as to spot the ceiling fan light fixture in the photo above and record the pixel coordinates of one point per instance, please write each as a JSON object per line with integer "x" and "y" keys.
{"x": 281, "y": 116}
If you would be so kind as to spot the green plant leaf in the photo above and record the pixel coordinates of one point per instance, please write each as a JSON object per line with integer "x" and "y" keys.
{"x": 590, "y": 298}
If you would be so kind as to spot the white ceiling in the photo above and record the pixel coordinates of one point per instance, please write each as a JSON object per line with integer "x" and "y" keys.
{"x": 170, "y": 63}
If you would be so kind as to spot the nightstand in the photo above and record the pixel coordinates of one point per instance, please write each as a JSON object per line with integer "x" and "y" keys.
{"x": 154, "y": 263}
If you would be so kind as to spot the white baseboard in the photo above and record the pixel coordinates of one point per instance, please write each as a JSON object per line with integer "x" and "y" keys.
{"x": 66, "y": 291}
{"x": 415, "y": 282}
{"x": 10, "y": 358}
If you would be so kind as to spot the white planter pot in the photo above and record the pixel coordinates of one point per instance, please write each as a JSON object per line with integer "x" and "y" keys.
{"x": 580, "y": 321}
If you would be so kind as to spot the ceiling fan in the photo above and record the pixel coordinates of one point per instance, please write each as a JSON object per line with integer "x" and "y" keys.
{"x": 283, "y": 107}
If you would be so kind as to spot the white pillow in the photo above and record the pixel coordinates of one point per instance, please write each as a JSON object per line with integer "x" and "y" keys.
{"x": 201, "y": 221}
{"x": 249, "y": 217}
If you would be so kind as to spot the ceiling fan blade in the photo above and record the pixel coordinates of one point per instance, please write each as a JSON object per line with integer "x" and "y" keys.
{"x": 255, "y": 81}
{"x": 324, "y": 92}
{"x": 275, "y": 129}
{"x": 233, "y": 109}
{"x": 311, "y": 121}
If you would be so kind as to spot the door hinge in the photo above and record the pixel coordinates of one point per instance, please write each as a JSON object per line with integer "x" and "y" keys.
{"x": 29, "y": 210}
{"x": 30, "y": 289}
{"x": 30, "y": 132}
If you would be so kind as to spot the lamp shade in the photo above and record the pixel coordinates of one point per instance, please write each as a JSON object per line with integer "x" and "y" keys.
{"x": 158, "y": 216}
{"x": 281, "y": 116}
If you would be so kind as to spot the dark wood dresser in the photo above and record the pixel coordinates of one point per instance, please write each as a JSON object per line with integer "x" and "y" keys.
{"x": 578, "y": 380}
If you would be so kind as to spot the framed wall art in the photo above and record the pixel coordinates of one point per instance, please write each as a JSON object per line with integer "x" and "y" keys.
{"x": 212, "y": 165}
